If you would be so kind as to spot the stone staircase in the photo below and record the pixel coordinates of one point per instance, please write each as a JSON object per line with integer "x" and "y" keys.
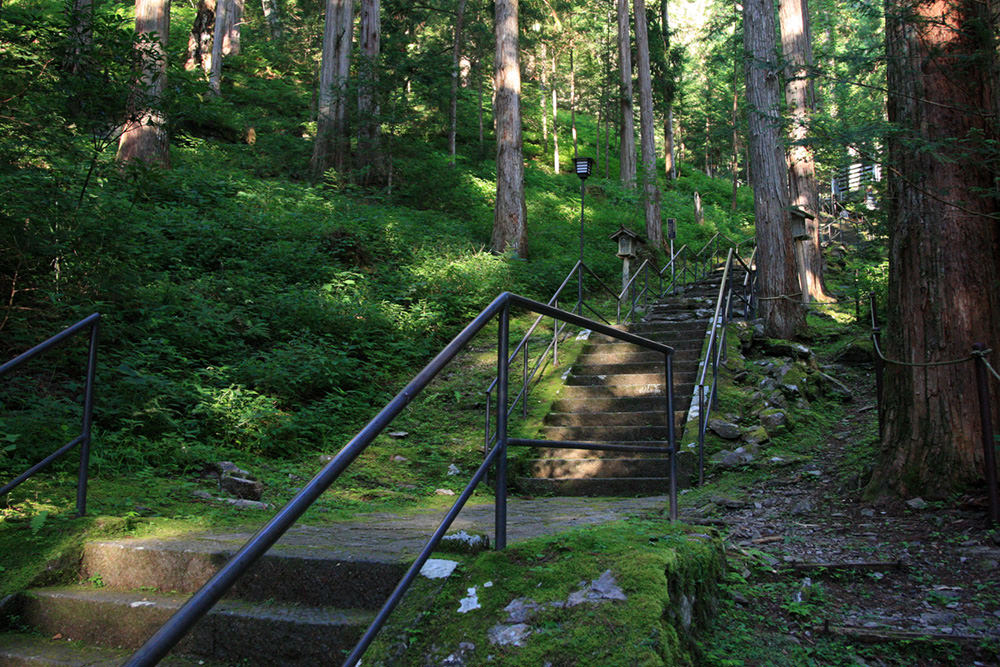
{"x": 304, "y": 603}
{"x": 614, "y": 394}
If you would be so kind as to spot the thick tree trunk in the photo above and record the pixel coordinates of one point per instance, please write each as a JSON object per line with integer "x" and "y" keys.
{"x": 626, "y": 152}
{"x": 273, "y": 17}
{"x": 332, "y": 145}
{"x": 555, "y": 117}
{"x": 572, "y": 98}
{"x": 81, "y": 36}
{"x": 199, "y": 53}
{"x": 647, "y": 129}
{"x": 370, "y": 160}
{"x": 456, "y": 56}
{"x": 778, "y": 283}
{"x": 231, "y": 31}
{"x": 670, "y": 168}
{"x": 800, "y": 97}
{"x": 222, "y": 9}
{"x": 944, "y": 256}
{"x": 511, "y": 214}
{"x": 146, "y": 138}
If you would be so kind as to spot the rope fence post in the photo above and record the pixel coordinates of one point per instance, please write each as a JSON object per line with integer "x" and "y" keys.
{"x": 989, "y": 454}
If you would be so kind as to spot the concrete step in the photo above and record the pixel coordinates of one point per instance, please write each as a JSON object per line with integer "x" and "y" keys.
{"x": 33, "y": 650}
{"x": 603, "y": 354}
{"x": 680, "y": 365}
{"x": 594, "y": 486}
{"x": 644, "y": 418}
{"x": 600, "y": 467}
{"x": 297, "y": 569}
{"x": 604, "y": 433}
{"x": 651, "y": 389}
{"x": 611, "y": 379}
{"x": 612, "y": 404}
{"x": 234, "y": 630}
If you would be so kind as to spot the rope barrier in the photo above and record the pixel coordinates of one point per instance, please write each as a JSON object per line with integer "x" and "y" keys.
{"x": 913, "y": 364}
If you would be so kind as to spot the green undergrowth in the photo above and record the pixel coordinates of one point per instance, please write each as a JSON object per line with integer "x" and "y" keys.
{"x": 655, "y": 563}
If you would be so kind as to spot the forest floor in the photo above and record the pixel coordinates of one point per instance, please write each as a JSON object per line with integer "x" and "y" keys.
{"x": 820, "y": 576}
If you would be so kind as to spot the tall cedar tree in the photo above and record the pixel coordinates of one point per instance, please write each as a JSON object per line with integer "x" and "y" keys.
{"x": 146, "y": 139}
{"x": 199, "y": 53}
{"x": 944, "y": 256}
{"x": 626, "y": 147}
{"x": 456, "y": 57}
{"x": 647, "y": 130}
{"x": 511, "y": 214}
{"x": 332, "y": 143}
{"x": 800, "y": 97}
{"x": 369, "y": 156}
{"x": 778, "y": 282}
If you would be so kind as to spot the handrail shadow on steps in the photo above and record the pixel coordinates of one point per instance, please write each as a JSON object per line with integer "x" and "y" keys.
{"x": 90, "y": 322}
{"x": 199, "y": 604}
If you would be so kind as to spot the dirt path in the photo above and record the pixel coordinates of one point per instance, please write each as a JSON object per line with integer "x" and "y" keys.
{"x": 910, "y": 583}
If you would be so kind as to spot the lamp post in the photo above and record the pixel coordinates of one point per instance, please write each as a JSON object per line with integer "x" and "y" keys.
{"x": 584, "y": 166}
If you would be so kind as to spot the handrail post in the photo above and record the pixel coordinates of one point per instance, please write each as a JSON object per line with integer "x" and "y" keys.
{"x": 701, "y": 434}
{"x": 486, "y": 431}
{"x": 88, "y": 418}
{"x": 555, "y": 338}
{"x": 671, "y": 434}
{"x": 879, "y": 367}
{"x": 524, "y": 381}
{"x": 500, "y": 505}
{"x": 989, "y": 454}
{"x": 579, "y": 287}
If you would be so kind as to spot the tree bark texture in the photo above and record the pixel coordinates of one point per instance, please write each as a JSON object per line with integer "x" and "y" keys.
{"x": 369, "y": 157}
{"x": 146, "y": 139}
{"x": 626, "y": 151}
{"x": 670, "y": 168}
{"x": 273, "y": 17}
{"x": 510, "y": 216}
{"x": 456, "y": 56}
{"x": 199, "y": 53}
{"x": 556, "y": 167}
{"x": 543, "y": 74}
{"x": 332, "y": 145}
{"x": 778, "y": 282}
{"x": 800, "y": 98}
{"x": 647, "y": 129}
{"x": 231, "y": 30}
{"x": 944, "y": 255}
{"x": 222, "y": 9}
{"x": 81, "y": 36}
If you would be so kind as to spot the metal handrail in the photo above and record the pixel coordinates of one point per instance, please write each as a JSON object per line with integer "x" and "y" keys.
{"x": 212, "y": 591}
{"x": 83, "y": 440}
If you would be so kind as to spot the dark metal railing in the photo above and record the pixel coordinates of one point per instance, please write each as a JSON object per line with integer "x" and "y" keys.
{"x": 83, "y": 439}
{"x": 715, "y": 352}
{"x": 203, "y": 600}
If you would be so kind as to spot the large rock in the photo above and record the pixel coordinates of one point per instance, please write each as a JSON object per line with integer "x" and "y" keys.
{"x": 755, "y": 436}
{"x": 774, "y": 421}
{"x": 724, "y": 429}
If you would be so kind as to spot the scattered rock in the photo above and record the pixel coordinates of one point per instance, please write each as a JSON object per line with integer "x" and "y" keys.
{"x": 325, "y": 458}
{"x": 508, "y": 635}
{"x": 756, "y": 436}
{"x": 774, "y": 421}
{"x": 520, "y": 610}
{"x": 601, "y": 589}
{"x": 453, "y": 470}
{"x": 398, "y": 434}
{"x": 463, "y": 542}
{"x": 802, "y": 507}
{"x": 856, "y": 353}
{"x": 724, "y": 429}
{"x": 460, "y": 657}
{"x": 241, "y": 487}
{"x": 438, "y": 568}
{"x": 835, "y": 388}
{"x": 469, "y": 602}
{"x": 916, "y": 504}
{"x": 444, "y": 492}
{"x": 784, "y": 348}
{"x": 399, "y": 459}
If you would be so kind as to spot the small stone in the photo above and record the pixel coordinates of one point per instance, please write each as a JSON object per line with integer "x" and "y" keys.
{"x": 508, "y": 635}
{"x": 453, "y": 470}
{"x": 469, "y": 602}
{"x": 249, "y": 489}
{"x": 867, "y": 512}
{"x": 444, "y": 492}
{"x": 917, "y": 503}
{"x": 463, "y": 542}
{"x": 399, "y": 459}
{"x": 520, "y": 610}
{"x": 325, "y": 458}
{"x": 398, "y": 434}
{"x": 724, "y": 429}
{"x": 802, "y": 507}
{"x": 438, "y": 568}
